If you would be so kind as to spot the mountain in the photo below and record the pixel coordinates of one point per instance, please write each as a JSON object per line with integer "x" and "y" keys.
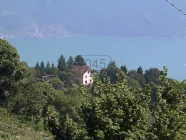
{"x": 144, "y": 18}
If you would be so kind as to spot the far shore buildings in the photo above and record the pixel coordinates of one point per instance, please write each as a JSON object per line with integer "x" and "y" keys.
{"x": 84, "y": 74}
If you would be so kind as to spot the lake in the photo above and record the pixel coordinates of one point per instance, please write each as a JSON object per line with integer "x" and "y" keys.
{"x": 98, "y": 51}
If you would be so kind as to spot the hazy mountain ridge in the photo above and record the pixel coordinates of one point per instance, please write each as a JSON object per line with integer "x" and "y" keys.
{"x": 106, "y": 17}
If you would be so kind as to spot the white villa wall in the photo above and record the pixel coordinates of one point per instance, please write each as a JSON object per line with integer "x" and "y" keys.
{"x": 87, "y": 77}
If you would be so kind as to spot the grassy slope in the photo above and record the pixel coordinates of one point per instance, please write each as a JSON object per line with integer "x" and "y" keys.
{"x": 12, "y": 128}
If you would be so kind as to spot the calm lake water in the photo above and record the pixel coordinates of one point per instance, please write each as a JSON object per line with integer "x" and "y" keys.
{"x": 98, "y": 51}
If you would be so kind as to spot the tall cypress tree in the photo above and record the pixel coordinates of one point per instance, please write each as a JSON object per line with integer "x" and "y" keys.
{"x": 42, "y": 65}
{"x": 140, "y": 70}
{"x": 38, "y": 70}
{"x": 42, "y": 68}
{"x": 70, "y": 62}
{"x": 62, "y": 64}
{"x": 48, "y": 69}
{"x": 124, "y": 69}
{"x": 48, "y": 65}
{"x": 37, "y": 66}
{"x": 53, "y": 71}
{"x": 53, "y": 66}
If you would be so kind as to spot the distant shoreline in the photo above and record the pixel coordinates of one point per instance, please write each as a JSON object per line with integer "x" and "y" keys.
{"x": 84, "y": 35}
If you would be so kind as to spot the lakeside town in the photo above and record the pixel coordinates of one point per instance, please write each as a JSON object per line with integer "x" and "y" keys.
{"x": 36, "y": 31}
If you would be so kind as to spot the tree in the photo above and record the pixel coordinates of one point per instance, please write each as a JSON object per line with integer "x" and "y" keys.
{"x": 48, "y": 69}
{"x": 71, "y": 130}
{"x": 53, "y": 66}
{"x": 112, "y": 70}
{"x": 56, "y": 83}
{"x": 11, "y": 69}
{"x": 70, "y": 62}
{"x": 37, "y": 66}
{"x": 151, "y": 78}
{"x": 133, "y": 83}
{"x": 42, "y": 65}
{"x": 54, "y": 70}
{"x": 68, "y": 77}
{"x": 168, "y": 111}
{"x": 103, "y": 75}
{"x": 52, "y": 120}
{"x": 112, "y": 111}
{"x": 62, "y": 64}
{"x": 79, "y": 60}
{"x": 65, "y": 105}
{"x": 48, "y": 65}
{"x": 38, "y": 70}
{"x": 31, "y": 99}
{"x": 42, "y": 68}
{"x": 124, "y": 69}
{"x": 136, "y": 76}
{"x": 140, "y": 70}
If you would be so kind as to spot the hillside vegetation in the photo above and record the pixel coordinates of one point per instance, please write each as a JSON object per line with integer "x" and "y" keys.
{"x": 13, "y": 128}
{"x": 122, "y": 104}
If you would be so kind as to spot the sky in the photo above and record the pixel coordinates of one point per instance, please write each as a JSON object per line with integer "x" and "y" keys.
{"x": 133, "y": 52}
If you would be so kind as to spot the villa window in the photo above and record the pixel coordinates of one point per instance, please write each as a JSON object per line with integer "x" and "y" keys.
{"x": 85, "y": 82}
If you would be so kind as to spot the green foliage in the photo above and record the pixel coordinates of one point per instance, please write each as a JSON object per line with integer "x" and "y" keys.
{"x": 48, "y": 69}
{"x": 151, "y": 78}
{"x": 37, "y": 66}
{"x": 52, "y": 120}
{"x": 117, "y": 106}
{"x": 112, "y": 70}
{"x": 68, "y": 77}
{"x": 133, "y": 83}
{"x": 103, "y": 75}
{"x": 79, "y": 60}
{"x": 42, "y": 70}
{"x": 168, "y": 114}
{"x": 64, "y": 105}
{"x": 12, "y": 128}
{"x": 11, "y": 69}
{"x": 70, "y": 129}
{"x": 140, "y": 70}
{"x": 38, "y": 70}
{"x": 30, "y": 99}
{"x": 54, "y": 70}
{"x": 56, "y": 83}
{"x": 70, "y": 62}
{"x": 137, "y": 76}
{"x": 112, "y": 111}
{"x": 124, "y": 69}
{"x": 62, "y": 64}
{"x": 42, "y": 65}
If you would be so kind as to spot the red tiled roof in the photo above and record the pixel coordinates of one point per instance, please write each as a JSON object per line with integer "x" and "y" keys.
{"x": 80, "y": 69}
